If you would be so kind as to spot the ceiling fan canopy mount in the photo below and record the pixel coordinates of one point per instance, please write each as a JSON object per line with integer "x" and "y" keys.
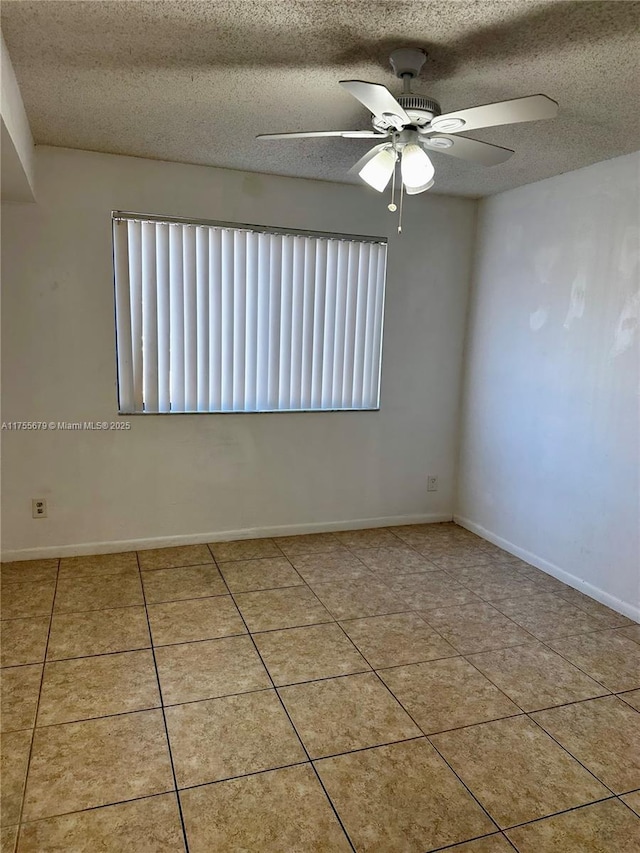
{"x": 407, "y": 61}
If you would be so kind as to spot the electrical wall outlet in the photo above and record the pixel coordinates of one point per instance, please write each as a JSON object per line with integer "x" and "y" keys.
{"x": 39, "y": 508}
{"x": 432, "y": 483}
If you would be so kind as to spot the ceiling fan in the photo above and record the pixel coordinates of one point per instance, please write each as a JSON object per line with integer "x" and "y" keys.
{"x": 410, "y": 125}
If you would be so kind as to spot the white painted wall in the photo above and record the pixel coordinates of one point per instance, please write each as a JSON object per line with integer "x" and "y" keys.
{"x": 16, "y": 149}
{"x": 202, "y": 476}
{"x": 549, "y": 461}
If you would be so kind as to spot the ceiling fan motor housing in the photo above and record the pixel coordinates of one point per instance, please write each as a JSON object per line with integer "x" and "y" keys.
{"x": 419, "y": 109}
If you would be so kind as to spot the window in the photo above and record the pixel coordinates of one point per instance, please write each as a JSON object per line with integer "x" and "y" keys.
{"x": 218, "y": 318}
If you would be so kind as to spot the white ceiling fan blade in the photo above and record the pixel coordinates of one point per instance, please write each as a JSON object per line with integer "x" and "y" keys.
{"x": 532, "y": 108}
{"x": 347, "y": 134}
{"x": 364, "y": 134}
{"x": 467, "y": 149}
{"x": 378, "y": 100}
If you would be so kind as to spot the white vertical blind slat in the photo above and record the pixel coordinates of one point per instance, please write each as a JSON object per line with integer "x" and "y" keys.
{"x": 317, "y": 343}
{"x": 226, "y": 319}
{"x": 124, "y": 344}
{"x": 164, "y": 316}
{"x": 135, "y": 279}
{"x": 369, "y": 326}
{"x": 349, "y": 327}
{"x": 190, "y": 320}
{"x": 328, "y": 347}
{"x": 296, "y": 323}
{"x": 148, "y": 271}
{"x": 374, "y": 383}
{"x": 217, "y": 319}
{"x": 262, "y": 344}
{"x": 202, "y": 319}
{"x": 342, "y": 282}
{"x": 239, "y": 318}
{"x": 359, "y": 326}
{"x": 251, "y": 334}
{"x": 306, "y": 343}
{"x": 275, "y": 290}
{"x": 286, "y": 307}
{"x": 176, "y": 307}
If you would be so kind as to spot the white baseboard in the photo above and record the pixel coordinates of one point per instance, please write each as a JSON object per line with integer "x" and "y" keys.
{"x": 113, "y": 547}
{"x": 624, "y": 607}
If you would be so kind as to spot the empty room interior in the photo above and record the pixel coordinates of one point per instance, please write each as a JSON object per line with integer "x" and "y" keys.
{"x": 320, "y": 426}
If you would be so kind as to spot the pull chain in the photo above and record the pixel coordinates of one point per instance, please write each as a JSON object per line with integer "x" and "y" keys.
{"x": 392, "y": 206}
{"x": 401, "y": 200}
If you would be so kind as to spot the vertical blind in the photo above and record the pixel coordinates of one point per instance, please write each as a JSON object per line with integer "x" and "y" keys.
{"x": 213, "y": 318}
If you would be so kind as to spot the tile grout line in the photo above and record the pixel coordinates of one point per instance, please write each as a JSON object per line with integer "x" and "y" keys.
{"x": 456, "y": 728}
{"x": 359, "y": 749}
{"x": 336, "y": 755}
{"x": 546, "y": 644}
{"x": 561, "y": 812}
{"x": 306, "y": 752}
{"x": 528, "y": 714}
{"x": 37, "y": 710}
{"x": 506, "y": 563}
{"x": 93, "y": 809}
{"x": 302, "y": 763}
{"x": 164, "y": 716}
{"x": 458, "y": 654}
{"x": 411, "y": 717}
{"x": 524, "y": 711}
{"x": 485, "y": 601}
{"x": 443, "y": 637}
{"x": 546, "y": 707}
{"x": 458, "y": 845}
{"x": 153, "y": 569}
{"x": 534, "y": 637}
{"x": 523, "y": 823}
{"x": 90, "y": 719}
{"x": 569, "y": 753}
{"x": 619, "y": 798}
{"x": 509, "y": 841}
{"x": 619, "y": 693}
{"x": 626, "y": 701}
{"x": 495, "y": 603}
{"x": 521, "y": 712}
{"x": 419, "y": 613}
{"x": 259, "y": 589}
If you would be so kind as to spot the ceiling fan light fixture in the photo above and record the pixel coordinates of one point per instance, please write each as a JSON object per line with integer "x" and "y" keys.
{"x": 414, "y": 123}
{"x": 378, "y": 171}
{"x": 416, "y": 190}
{"x": 416, "y": 167}
{"x": 446, "y": 125}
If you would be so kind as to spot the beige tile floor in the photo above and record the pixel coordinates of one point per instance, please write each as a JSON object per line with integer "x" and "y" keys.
{"x": 396, "y": 690}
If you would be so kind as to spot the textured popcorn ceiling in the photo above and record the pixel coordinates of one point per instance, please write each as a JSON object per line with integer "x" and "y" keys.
{"x": 195, "y": 80}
